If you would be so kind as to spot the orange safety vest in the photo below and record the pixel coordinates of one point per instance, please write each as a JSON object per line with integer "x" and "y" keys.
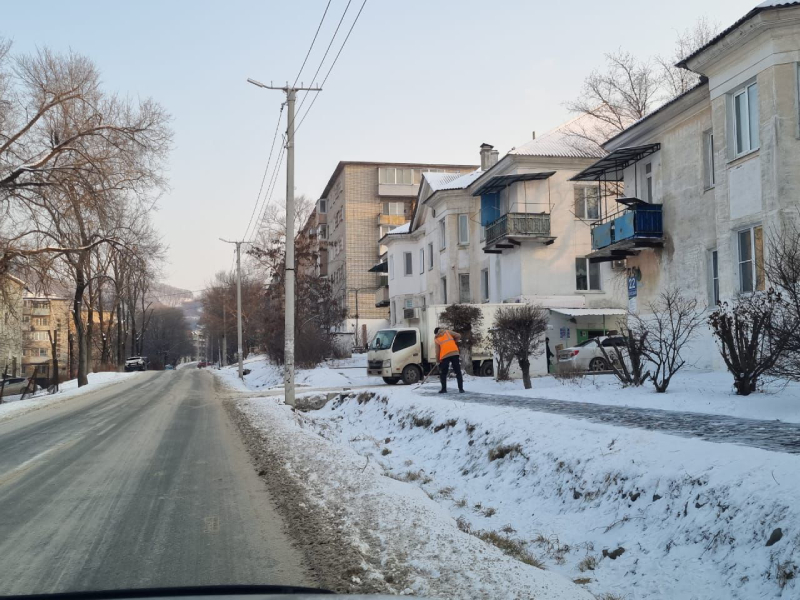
{"x": 447, "y": 345}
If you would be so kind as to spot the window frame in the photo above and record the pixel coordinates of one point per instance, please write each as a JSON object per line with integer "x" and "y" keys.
{"x": 443, "y": 282}
{"x": 463, "y": 220}
{"x": 744, "y": 93}
{"x": 648, "y": 182}
{"x": 391, "y": 267}
{"x": 430, "y": 256}
{"x": 408, "y": 264}
{"x": 442, "y": 233}
{"x": 709, "y": 174}
{"x": 588, "y": 270}
{"x": 322, "y": 206}
{"x": 756, "y": 269}
{"x": 422, "y": 261}
{"x": 485, "y": 285}
{"x": 579, "y": 196}
{"x": 713, "y": 257}
{"x": 461, "y": 290}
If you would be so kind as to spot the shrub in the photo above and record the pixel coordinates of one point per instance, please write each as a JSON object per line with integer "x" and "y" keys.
{"x": 503, "y": 450}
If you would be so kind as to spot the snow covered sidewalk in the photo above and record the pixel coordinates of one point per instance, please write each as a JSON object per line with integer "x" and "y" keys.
{"x": 768, "y": 435}
{"x": 14, "y": 406}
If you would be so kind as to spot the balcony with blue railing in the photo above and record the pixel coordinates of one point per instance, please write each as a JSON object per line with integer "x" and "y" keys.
{"x": 625, "y": 232}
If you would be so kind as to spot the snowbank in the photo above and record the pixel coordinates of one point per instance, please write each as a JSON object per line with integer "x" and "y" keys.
{"x": 14, "y": 406}
{"x": 623, "y": 511}
{"x": 689, "y": 391}
{"x": 407, "y": 542}
{"x": 264, "y": 375}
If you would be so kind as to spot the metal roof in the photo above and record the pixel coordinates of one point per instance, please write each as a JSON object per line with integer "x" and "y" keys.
{"x": 611, "y": 167}
{"x": 589, "y": 312}
{"x": 381, "y": 267}
{"x": 716, "y": 39}
{"x": 568, "y": 140}
{"x": 450, "y": 181}
{"x": 497, "y": 183}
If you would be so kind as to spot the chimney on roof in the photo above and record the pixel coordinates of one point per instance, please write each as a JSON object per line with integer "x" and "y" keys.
{"x": 534, "y": 135}
{"x": 488, "y": 156}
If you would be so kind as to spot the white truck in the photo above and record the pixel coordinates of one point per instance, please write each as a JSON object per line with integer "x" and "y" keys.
{"x": 408, "y": 352}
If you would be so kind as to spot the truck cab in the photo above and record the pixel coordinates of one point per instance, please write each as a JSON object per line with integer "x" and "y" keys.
{"x": 396, "y": 354}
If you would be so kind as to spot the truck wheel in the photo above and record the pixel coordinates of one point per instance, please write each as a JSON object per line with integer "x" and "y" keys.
{"x": 391, "y": 380}
{"x": 411, "y": 374}
{"x": 487, "y": 369}
{"x": 598, "y": 364}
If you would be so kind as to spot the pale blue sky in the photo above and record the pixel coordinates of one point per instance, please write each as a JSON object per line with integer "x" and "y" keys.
{"x": 418, "y": 81}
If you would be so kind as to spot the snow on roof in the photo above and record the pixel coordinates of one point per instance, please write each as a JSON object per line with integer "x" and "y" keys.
{"x": 564, "y": 141}
{"x": 589, "y": 312}
{"x": 404, "y": 228}
{"x": 450, "y": 181}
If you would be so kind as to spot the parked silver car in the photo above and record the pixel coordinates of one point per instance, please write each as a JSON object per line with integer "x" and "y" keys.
{"x": 587, "y": 356}
{"x": 136, "y": 363}
{"x": 16, "y": 385}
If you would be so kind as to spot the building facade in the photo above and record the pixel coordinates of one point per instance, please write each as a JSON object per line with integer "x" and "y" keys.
{"x": 45, "y": 318}
{"x": 11, "y": 350}
{"x": 709, "y": 176}
{"x": 363, "y": 201}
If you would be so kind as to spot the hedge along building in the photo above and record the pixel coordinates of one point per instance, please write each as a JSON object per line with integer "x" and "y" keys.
{"x": 537, "y": 235}
{"x": 709, "y": 176}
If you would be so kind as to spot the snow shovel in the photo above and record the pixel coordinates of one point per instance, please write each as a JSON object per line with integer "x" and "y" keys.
{"x": 424, "y": 381}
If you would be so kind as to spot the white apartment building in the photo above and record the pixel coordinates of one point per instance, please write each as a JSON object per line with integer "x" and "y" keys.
{"x": 711, "y": 174}
{"x": 516, "y": 230}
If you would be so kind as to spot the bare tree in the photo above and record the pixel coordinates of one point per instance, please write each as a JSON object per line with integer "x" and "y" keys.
{"x": 520, "y": 329}
{"x": 747, "y": 336}
{"x": 676, "y": 80}
{"x": 674, "y": 322}
{"x": 782, "y": 268}
{"x": 627, "y": 361}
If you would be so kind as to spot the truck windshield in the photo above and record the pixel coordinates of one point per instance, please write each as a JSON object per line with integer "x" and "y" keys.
{"x": 383, "y": 339}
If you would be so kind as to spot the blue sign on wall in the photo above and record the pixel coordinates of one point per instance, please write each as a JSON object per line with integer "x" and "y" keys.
{"x": 632, "y": 286}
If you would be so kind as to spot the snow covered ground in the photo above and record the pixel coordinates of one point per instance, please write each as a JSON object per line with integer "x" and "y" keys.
{"x": 689, "y": 391}
{"x": 264, "y": 376}
{"x": 625, "y": 511}
{"x": 14, "y": 406}
{"x": 407, "y": 542}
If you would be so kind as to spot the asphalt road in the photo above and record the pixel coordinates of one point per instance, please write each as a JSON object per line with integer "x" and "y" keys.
{"x": 142, "y": 484}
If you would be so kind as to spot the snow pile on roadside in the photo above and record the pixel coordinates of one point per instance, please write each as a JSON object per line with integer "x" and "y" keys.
{"x": 266, "y": 376}
{"x": 623, "y": 511}
{"x": 407, "y": 543}
{"x": 690, "y": 391}
{"x": 14, "y": 405}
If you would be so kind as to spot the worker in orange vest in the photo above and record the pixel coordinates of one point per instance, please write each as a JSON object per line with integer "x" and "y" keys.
{"x": 446, "y": 342}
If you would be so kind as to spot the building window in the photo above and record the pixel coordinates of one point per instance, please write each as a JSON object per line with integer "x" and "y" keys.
{"x": 421, "y": 261}
{"x": 708, "y": 159}
{"x": 745, "y": 119}
{"x": 391, "y": 267}
{"x": 751, "y": 259}
{"x": 409, "y": 303}
{"x": 41, "y": 321}
{"x": 394, "y": 208}
{"x": 587, "y": 204}
{"x": 442, "y": 235}
{"x": 463, "y": 229}
{"x": 430, "y": 256}
{"x": 587, "y": 275}
{"x": 26, "y": 319}
{"x": 714, "y": 277}
{"x": 323, "y": 231}
{"x": 444, "y": 290}
{"x": 408, "y": 264}
{"x": 648, "y": 182}
{"x": 323, "y": 206}
{"x": 393, "y": 175}
{"x": 485, "y": 285}
{"x": 463, "y": 288}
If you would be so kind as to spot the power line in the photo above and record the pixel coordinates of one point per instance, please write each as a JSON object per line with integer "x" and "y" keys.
{"x": 264, "y": 176}
{"x": 324, "y": 56}
{"x": 332, "y": 64}
{"x": 312, "y": 44}
{"x": 270, "y": 188}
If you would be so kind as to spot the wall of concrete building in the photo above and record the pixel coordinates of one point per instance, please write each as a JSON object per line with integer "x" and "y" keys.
{"x": 38, "y": 352}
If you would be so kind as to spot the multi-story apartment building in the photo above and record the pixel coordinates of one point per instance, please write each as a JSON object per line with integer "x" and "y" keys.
{"x": 315, "y": 233}
{"x": 11, "y": 292}
{"x": 710, "y": 175}
{"x": 44, "y": 317}
{"x": 516, "y": 230}
{"x": 363, "y": 201}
